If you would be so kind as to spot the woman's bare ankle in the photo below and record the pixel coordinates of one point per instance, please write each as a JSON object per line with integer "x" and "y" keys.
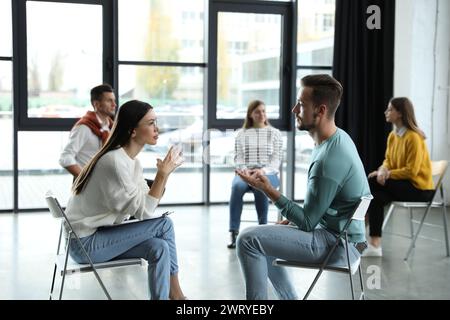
{"x": 375, "y": 241}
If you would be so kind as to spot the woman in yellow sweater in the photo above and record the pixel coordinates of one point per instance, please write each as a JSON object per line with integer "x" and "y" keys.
{"x": 405, "y": 174}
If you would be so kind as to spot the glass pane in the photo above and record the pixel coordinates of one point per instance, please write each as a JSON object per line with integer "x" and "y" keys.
{"x": 6, "y": 134}
{"x": 161, "y": 30}
{"x": 39, "y": 170}
{"x": 176, "y": 93}
{"x": 304, "y": 145}
{"x": 5, "y": 28}
{"x": 221, "y": 150}
{"x": 315, "y": 34}
{"x": 64, "y": 47}
{"x": 248, "y": 63}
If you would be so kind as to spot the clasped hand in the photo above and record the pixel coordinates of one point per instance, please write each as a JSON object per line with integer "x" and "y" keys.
{"x": 382, "y": 175}
{"x": 254, "y": 178}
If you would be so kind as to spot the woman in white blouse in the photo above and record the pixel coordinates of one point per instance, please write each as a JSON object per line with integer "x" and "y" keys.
{"x": 111, "y": 188}
{"x": 257, "y": 148}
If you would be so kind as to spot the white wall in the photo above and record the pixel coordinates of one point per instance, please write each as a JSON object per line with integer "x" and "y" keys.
{"x": 422, "y": 68}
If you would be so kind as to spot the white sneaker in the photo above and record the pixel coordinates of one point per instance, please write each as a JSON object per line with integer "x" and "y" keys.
{"x": 372, "y": 251}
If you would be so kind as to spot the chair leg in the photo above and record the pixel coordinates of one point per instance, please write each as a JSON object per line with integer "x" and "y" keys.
{"x": 313, "y": 284}
{"x": 349, "y": 269}
{"x": 388, "y": 215}
{"x": 413, "y": 242}
{"x": 53, "y": 281}
{"x": 411, "y": 225}
{"x": 444, "y": 212}
{"x": 64, "y": 272}
{"x": 351, "y": 285}
{"x": 362, "y": 296}
{"x": 94, "y": 270}
{"x": 56, "y": 264}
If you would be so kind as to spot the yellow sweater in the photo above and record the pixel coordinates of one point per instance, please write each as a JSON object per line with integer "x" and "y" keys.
{"x": 407, "y": 158}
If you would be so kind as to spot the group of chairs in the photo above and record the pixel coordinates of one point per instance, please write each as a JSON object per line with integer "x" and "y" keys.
{"x": 63, "y": 267}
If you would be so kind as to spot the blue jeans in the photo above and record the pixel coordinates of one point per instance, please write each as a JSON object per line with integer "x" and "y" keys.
{"x": 258, "y": 246}
{"x": 238, "y": 189}
{"x": 153, "y": 240}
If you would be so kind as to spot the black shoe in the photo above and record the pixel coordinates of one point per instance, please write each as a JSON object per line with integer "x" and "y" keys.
{"x": 233, "y": 236}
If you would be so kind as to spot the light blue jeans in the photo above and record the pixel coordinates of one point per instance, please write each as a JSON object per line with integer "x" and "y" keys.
{"x": 258, "y": 246}
{"x": 153, "y": 240}
{"x": 238, "y": 189}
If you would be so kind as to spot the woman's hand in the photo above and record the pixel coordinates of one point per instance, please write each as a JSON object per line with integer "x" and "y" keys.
{"x": 172, "y": 160}
{"x": 383, "y": 174}
{"x": 372, "y": 174}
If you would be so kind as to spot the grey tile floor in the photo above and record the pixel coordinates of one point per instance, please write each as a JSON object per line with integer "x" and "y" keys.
{"x": 210, "y": 271}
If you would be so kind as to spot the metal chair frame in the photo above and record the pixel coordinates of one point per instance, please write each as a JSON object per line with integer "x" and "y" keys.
{"x": 62, "y": 259}
{"x": 358, "y": 214}
{"x": 439, "y": 169}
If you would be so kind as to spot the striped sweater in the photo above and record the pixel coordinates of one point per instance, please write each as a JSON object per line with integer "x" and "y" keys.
{"x": 259, "y": 148}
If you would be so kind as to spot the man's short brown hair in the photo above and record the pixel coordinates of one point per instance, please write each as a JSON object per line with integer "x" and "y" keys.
{"x": 97, "y": 92}
{"x": 325, "y": 90}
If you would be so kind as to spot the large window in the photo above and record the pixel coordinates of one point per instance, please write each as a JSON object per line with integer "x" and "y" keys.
{"x": 161, "y": 30}
{"x": 62, "y": 46}
{"x": 5, "y": 28}
{"x": 162, "y": 61}
{"x": 315, "y": 33}
{"x": 250, "y": 58}
{"x": 197, "y": 62}
{"x": 248, "y": 63}
{"x": 6, "y": 134}
{"x": 6, "y": 120}
{"x": 63, "y": 67}
{"x": 39, "y": 170}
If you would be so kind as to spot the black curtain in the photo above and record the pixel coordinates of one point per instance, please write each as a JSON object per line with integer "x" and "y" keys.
{"x": 364, "y": 64}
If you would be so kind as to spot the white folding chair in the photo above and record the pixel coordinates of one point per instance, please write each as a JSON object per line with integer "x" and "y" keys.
{"x": 350, "y": 269}
{"x": 65, "y": 267}
{"x": 438, "y": 170}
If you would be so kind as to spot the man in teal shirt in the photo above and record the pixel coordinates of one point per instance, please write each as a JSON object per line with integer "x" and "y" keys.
{"x": 336, "y": 182}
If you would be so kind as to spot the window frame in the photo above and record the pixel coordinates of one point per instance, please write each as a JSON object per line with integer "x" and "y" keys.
{"x": 287, "y": 65}
{"x": 26, "y": 123}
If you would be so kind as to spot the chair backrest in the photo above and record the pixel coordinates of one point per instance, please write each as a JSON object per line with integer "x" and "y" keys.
{"x": 53, "y": 205}
{"x": 361, "y": 210}
{"x": 57, "y": 211}
{"x": 438, "y": 169}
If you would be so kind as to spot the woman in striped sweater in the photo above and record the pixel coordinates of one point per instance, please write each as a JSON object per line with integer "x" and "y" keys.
{"x": 258, "y": 148}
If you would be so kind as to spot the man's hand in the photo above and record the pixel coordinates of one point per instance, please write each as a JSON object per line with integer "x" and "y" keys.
{"x": 255, "y": 179}
{"x": 253, "y": 171}
{"x": 259, "y": 181}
